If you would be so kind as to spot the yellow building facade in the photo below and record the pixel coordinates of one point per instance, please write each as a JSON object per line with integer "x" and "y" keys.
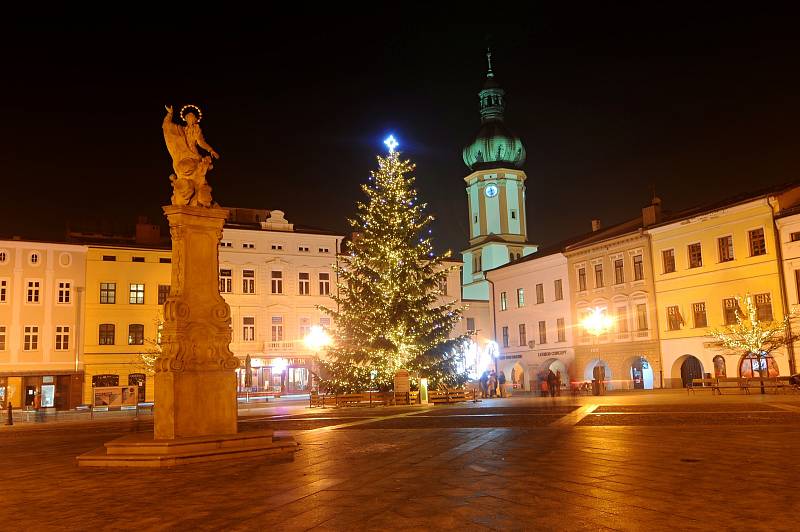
{"x": 126, "y": 287}
{"x": 703, "y": 260}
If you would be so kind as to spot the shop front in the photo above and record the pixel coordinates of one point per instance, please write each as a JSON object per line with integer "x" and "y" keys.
{"x": 27, "y": 390}
{"x": 278, "y": 375}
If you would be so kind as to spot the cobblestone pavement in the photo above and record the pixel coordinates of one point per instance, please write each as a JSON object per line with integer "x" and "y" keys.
{"x": 660, "y": 461}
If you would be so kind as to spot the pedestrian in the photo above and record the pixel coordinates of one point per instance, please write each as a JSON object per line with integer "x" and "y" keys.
{"x": 37, "y": 406}
{"x": 558, "y": 382}
{"x": 492, "y": 384}
{"x": 551, "y": 383}
{"x": 501, "y": 381}
{"x": 484, "y": 383}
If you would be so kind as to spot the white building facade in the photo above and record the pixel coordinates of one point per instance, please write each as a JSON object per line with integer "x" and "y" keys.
{"x": 534, "y": 330}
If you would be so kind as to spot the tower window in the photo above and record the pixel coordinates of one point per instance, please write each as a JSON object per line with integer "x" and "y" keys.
{"x": 513, "y": 214}
{"x": 476, "y": 218}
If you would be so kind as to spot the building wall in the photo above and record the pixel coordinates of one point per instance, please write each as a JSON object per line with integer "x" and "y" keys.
{"x": 789, "y": 231}
{"x": 56, "y": 276}
{"x": 712, "y": 282}
{"x": 534, "y": 356}
{"x": 629, "y": 341}
{"x": 120, "y": 358}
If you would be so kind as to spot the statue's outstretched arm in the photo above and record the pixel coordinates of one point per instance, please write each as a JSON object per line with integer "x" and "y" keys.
{"x": 168, "y": 116}
{"x": 203, "y": 144}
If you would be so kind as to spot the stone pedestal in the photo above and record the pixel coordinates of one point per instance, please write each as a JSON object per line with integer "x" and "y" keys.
{"x": 195, "y": 382}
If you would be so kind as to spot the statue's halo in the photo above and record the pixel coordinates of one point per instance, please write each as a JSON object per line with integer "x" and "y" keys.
{"x": 187, "y": 106}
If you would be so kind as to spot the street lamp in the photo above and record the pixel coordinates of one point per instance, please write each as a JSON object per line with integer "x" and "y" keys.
{"x": 597, "y": 323}
{"x": 316, "y": 339}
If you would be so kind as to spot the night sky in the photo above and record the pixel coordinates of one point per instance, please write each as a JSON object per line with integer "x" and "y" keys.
{"x": 699, "y": 104}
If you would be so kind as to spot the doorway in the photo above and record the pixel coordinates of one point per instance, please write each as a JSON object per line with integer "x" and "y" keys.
{"x": 690, "y": 369}
{"x": 641, "y": 374}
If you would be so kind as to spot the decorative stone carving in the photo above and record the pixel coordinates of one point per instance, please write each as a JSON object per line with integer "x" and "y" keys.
{"x": 189, "y": 186}
{"x": 195, "y": 378}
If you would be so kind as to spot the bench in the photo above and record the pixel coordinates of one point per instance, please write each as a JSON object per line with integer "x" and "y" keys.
{"x": 451, "y": 396}
{"x": 769, "y": 383}
{"x": 702, "y": 384}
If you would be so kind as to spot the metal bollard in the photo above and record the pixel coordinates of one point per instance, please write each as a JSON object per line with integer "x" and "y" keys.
{"x": 10, "y": 416}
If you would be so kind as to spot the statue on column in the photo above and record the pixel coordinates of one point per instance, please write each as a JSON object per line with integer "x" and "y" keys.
{"x": 189, "y": 185}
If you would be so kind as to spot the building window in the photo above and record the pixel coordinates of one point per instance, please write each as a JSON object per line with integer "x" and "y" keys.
{"x": 109, "y": 258}
{"x": 503, "y": 301}
{"x": 641, "y": 316}
{"x": 668, "y": 259}
{"x": 561, "y": 330}
{"x": 559, "y": 290}
{"x": 598, "y": 276}
{"x": 34, "y": 258}
{"x": 542, "y": 332}
{"x": 137, "y": 259}
{"x": 250, "y": 245}
{"x": 513, "y": 214}
{"x": 64, "y": 292}
{"x": 140, "y": 380}
{"x": 163, "y": 293}
{"x": 324, "y": 250}
{"x": 225, "y": 281}
{"x": 277, "y": 282}
{"x": 135, "y": 334}
{"x": 730, "y": 308}
{"x": 277, "y": 329}
{"x": 304, "y": 286}
{"x": 106, "y": 334}
{"x": 325, "y": 321}
{"x": 248, "y": 281}
{"x": 443, "y": 286}
{"x": 31, "y": 339}
{"x": 523, "y": 340}
{"x": 324, "y": 284}
{"x": 695, "y": 255}
{"x": 305, "y": 327}
{"x": 796, "y": 284}
{"x": 622, "y": 319}
{"x": 763, "y": 306}
{"x": 794, "y": 237}
{"x": 476, "y": 263}
{"x": 619, "y": 271}
{"x": 539, "y": 294}
{"x": 699, "y": 311}
{"x": 108, "y": 293}
{"x": 2, "y": 337}
{"x": 725, "y": 245}
{"x": 33, "y": 292}
{"x": 719, "y": 366}
{"x": 226, "y": 244}
{"x": 249, "y": 329}
{"x": 674, "y": 318}
{"x": 62, "y": 338}
{"x": 303, "y": 249}
{"x": 582, "y": 279}
{"x": 470, "y": 325}
{"x": 3, "y": 256}
{"x": 521, "y": 297}
{"x": 638, "y": 268}
{"x": 137, "y": 294}
{"x": 3, "y": 290}
{"x": 505, "y": 336}
{"x": 758, "y": 246}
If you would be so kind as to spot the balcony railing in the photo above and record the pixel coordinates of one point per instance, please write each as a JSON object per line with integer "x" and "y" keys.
{"x": 643, "y": 333}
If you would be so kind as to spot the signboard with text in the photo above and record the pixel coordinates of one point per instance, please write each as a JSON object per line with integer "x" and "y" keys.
{"x": 116, "y": 396}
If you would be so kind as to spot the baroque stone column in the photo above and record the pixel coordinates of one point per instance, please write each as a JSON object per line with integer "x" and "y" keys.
{"x": 195, "y": 381}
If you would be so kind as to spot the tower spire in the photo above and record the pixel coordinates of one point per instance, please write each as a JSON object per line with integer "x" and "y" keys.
{"x": 489, "y": 74}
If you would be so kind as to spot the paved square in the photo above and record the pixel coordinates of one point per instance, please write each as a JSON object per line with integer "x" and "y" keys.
{"x": 656, "y": 461}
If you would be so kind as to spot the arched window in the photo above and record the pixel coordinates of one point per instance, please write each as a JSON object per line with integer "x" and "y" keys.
{"x": 753, "y": 365}
{"x": 719, "y": 366}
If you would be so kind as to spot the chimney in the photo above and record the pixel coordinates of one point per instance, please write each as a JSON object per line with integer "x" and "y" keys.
{"x": 147, "y": 233}
{"x": 652, "y": 213}
{"x": 595, "y": 225}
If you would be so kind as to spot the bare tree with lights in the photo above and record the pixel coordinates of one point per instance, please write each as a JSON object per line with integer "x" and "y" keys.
{"x": 389, "y": 314}
{"x": 753, "y": 336}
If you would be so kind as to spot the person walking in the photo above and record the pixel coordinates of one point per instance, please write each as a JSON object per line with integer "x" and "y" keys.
{"x": 551, "y": 383}
{"x": 484, "y": 383}
{"x": 492, "y": 384}
{"x": 558, "y": 382}
{"x": 501, "y": 381}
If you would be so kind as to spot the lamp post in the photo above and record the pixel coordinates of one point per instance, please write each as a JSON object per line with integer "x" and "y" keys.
{"x": 598, "y": 322}
{"x": 316, "y": 339}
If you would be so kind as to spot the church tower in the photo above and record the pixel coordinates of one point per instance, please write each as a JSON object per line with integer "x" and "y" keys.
{"x": 495, "y": 193}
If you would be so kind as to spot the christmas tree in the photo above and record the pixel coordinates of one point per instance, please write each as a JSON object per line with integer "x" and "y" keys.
{"x": 390, "y": 314}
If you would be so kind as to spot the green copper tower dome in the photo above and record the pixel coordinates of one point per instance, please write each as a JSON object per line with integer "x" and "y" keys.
{"x": 494, "y": 145}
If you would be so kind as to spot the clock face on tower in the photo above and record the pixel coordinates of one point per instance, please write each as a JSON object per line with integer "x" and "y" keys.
{"x": 491, "y": 191}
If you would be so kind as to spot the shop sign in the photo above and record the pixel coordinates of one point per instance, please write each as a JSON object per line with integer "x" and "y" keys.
{"x": 509, "y": 357}
{"x": 116, "y": 396}
{"x": 552, "y": 353}
{"x": 402, "y": 381}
